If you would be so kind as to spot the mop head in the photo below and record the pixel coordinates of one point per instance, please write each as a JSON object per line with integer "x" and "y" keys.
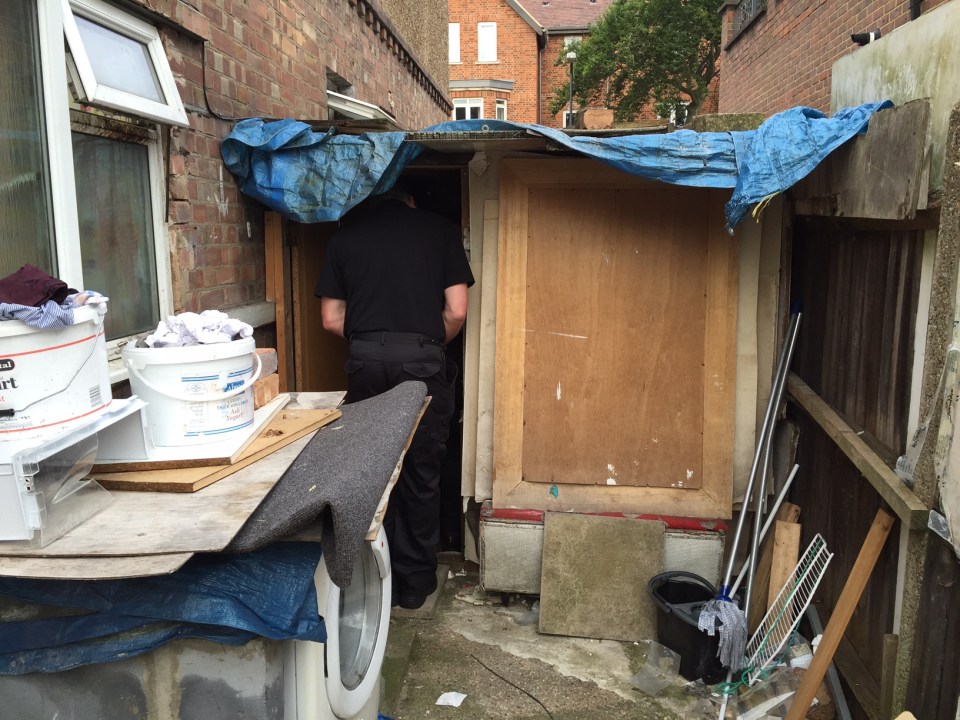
{"x": 724, "y": 617}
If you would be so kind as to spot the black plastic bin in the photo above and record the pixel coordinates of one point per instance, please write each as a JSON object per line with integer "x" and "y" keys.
{"x": 679, "y": 597}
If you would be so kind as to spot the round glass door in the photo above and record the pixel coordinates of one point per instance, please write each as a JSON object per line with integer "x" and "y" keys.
{"x": 361, "y": 606}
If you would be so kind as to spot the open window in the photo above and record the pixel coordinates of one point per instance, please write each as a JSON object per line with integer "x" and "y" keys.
{"x": 117, "y": 61}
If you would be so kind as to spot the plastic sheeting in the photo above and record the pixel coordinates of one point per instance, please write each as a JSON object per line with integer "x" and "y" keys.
{"x": 226, "y": 598}
{"x": 318, "y": 177}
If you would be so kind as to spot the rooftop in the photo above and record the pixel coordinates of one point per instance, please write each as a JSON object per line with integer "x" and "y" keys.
{"x": 566, "y": 14}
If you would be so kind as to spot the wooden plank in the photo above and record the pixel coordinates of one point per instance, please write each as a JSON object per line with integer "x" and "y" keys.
{"x": 511, "y": 313}
{"x": 788, "y": 513}
{"x": 898, "y": 496}
{"x": 786, "y": 553}
{"x": 842, "y": 612}
{"x": 289, "y": 426}
{"x": 263, "y": 417}
{"x": 148, "y": 523}
{"x": 97, "y": 568}
{"x": 876, "y": 175}
{"x": 719, "y": 355}
{"x": 276, "y": 291}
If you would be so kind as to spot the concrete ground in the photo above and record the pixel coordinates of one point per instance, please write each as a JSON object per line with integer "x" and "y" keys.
{"x": 487, "y": 647}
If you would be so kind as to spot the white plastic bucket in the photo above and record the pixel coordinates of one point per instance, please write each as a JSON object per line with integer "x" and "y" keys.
{"x": 195, "y": 394}
{"x": 52, "y": 378}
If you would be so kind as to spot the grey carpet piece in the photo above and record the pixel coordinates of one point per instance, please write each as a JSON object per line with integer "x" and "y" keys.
{"x": 339, "y": 477}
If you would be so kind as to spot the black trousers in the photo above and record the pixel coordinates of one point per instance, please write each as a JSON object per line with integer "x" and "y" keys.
{"x": 412, "y": 522}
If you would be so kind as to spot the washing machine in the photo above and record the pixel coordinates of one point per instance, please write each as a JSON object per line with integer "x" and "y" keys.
{"x": 340, "y": 679}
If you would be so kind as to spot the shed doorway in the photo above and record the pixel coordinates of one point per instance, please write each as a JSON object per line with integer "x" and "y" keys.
{"x": 319, "y": 357}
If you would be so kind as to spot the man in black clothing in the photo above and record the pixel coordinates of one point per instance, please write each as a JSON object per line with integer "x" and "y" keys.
{"x": 394, "y": 284}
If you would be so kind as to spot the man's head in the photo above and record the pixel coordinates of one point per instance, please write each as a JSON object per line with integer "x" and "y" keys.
{"x": 402, "y": 193}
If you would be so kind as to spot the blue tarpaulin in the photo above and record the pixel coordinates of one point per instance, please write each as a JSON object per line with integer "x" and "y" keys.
{"x": 227, "y": 598}
{"x": 317, "y": 177}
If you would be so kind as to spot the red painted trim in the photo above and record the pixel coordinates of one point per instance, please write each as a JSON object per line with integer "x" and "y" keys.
{"x": 673, "y": 522}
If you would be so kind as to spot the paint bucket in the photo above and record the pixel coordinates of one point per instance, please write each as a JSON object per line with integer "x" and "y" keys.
{"x": 197, "y": 393}
{"x": 52, "y": 378}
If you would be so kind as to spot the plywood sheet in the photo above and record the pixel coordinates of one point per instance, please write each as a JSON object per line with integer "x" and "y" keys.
{"x": 101, "y": 568}
{"x": 287, "y": 427}
{"x": 594, "y": 577}
{"x": 614, "y": 338}
{"x": 616, "y": 304}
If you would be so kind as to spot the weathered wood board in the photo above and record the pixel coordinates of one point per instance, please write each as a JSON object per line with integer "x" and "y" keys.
{"x": 287, "y": 427}
{"x": 883, "y": 174}
{"x": 97, "y": 568}
{"x": 151, "y": 523}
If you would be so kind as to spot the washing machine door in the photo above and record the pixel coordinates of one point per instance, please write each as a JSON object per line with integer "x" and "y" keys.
{"x": 357, "y": 620}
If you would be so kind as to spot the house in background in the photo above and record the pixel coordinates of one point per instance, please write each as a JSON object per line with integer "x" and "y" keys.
{"x": 502, "y": 56}
{"x": 875, "y": 273}
{"x": 124, "y": 191}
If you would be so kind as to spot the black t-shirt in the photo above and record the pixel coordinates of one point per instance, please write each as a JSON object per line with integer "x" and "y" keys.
{"x": 392, "y": 266}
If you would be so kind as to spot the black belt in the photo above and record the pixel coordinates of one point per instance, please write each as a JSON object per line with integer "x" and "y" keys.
{"x": 395, "y": 338}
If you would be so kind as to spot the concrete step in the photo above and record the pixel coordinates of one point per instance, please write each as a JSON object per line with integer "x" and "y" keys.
{"x": 401, "y": 642}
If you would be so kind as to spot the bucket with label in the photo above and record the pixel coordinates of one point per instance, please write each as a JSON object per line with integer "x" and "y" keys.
{"x": 196, "y": 393}
{"x": 52, "y": 378}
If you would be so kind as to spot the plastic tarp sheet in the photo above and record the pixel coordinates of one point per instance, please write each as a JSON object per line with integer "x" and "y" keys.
{"x": 317, "y": 177}
{"x": 226, "y": 598}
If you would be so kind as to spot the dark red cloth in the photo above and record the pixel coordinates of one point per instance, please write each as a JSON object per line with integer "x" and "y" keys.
{"x": 33, "y": 287}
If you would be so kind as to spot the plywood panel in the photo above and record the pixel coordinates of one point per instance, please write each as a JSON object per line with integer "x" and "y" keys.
{"x": 614, "y": 337}
{"x": 621, "y": 364}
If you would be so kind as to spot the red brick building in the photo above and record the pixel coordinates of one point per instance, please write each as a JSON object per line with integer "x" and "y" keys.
{"x": 502, "y": 55}
{"x": 126, "y": 193}
{"x": 776, "y": 54}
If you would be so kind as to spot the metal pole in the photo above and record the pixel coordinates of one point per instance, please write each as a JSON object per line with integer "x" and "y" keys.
{"x": 571, "y": 58}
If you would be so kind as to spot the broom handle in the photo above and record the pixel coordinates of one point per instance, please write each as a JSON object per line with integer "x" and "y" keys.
{"x": 772, "y": 406}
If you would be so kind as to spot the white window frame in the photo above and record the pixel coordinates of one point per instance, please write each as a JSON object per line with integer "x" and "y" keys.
{"x": 500, "y": 104}
{"x": 453, "y": 42}
{"x": 486, "y": 42}
{"x": 356, "y": 109}
{"x": 171, "y": 111}
{"x": 568, "y": 119}
{"x": 53, "y": 69}
{"x": 468, "y": 103}
{"x": 568, "y": 40}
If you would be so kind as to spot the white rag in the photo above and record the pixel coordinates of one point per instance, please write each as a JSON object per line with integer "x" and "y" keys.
{"x": 210, "y": 326}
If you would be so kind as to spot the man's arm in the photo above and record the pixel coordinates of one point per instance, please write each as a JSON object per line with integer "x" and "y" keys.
{"x": 332, "y": 313}
{"x": 454, "y": 310}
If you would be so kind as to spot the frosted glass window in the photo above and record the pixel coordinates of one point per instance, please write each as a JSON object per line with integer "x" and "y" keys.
{"x": 454, "y": 42}
{"x": 501, "y": 109}
{"x": 119, "y": 62}
{"x": 486, "y": 42}
{"x": 116, "y": 230}
{"x": 26, "y": 224}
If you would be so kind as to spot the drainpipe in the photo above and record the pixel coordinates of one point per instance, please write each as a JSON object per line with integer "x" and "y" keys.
{"x": 541, "y": 46}
{"x": 915, "y": 9}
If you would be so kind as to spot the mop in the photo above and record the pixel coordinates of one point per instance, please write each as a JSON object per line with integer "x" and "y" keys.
{"x": 722, "y": 615}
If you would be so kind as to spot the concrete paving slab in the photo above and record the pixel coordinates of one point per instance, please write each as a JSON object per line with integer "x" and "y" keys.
{"x": 595, "y": 573}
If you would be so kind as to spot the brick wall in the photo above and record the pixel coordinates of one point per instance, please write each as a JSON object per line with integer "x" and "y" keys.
{"x": 516, "y": 56}
{"x": 784, "y": 58}
{"x": 266, "y": 59}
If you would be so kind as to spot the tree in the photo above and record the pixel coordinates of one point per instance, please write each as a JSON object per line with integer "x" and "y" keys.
{"x": 640, "y": 52}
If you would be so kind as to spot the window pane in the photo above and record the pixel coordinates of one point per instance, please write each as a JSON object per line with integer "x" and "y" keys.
{"x": 119, "y": 62}
{"x": 454, "y": 42}
{"x": 116, "y": 230}
{"x": 486, "y": 42}
{"x": 26, "y": 224}
{"x": 460, "y": 113}
{"x": 474, "y": 112}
